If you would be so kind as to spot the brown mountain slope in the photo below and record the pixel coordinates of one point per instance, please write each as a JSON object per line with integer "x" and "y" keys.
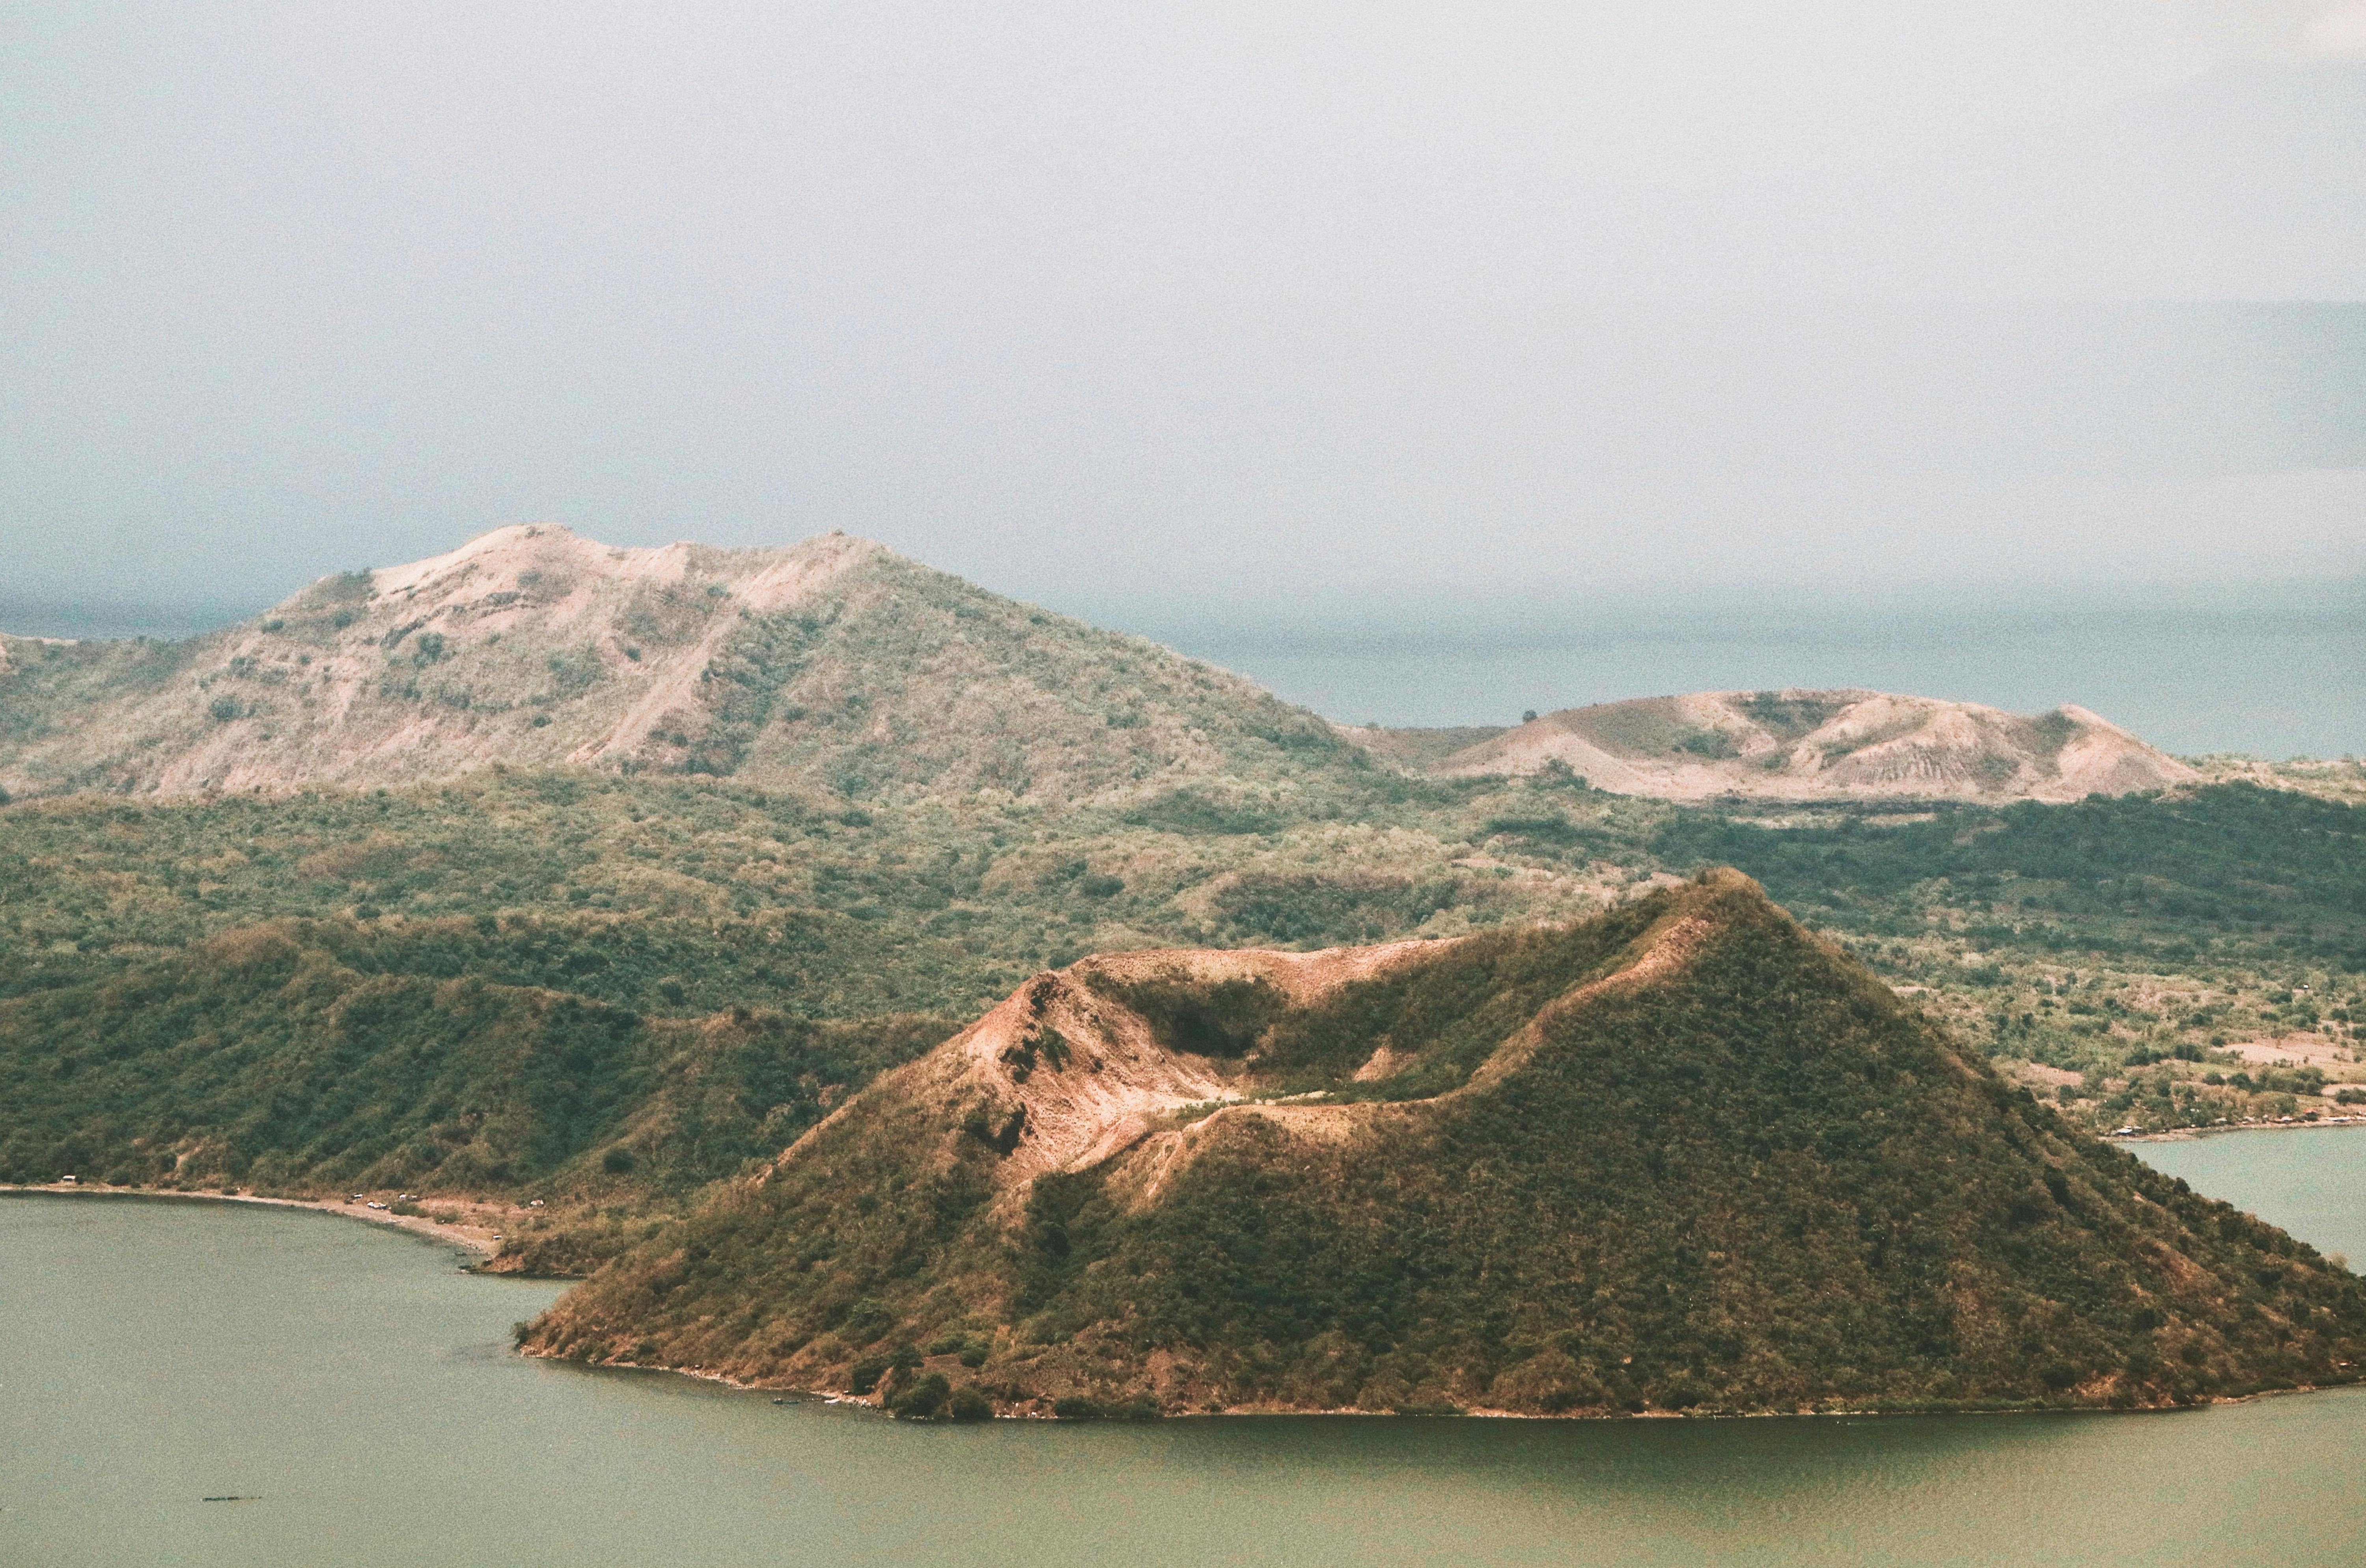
{"x": 832, "y": 664}
{"x": 1799, "y": 745}
{"x": 1682, "y": 1156}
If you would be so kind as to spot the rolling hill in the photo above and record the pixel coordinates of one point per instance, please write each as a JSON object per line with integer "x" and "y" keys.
{"x": 1680, "y": 1157}
{"x": 1803, "y": 745}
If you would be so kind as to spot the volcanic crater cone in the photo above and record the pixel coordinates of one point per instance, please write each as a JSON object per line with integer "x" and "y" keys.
{"x": 1684, "y": 1156}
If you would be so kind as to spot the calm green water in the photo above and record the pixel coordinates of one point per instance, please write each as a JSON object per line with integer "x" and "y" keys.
{"x": 156, "y": 1353}
{"x": 2312, "y": 1183}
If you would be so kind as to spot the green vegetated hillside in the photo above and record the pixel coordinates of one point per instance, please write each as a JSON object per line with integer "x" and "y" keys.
{"x": 2113, "y": 954}
{"x": 297, "y": 1052}
{"x": 827, "y": 781}
{"x": 1682, "y": 1156}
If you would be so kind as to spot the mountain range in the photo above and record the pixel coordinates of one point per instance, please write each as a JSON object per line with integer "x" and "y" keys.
{"x": 1333, "y": 1068}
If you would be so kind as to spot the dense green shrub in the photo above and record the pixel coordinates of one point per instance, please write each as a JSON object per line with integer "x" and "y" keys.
{"x": 1222, "y": 1020}
{"x": 1311, "y": 909}
{"x": 924, "y": 1398}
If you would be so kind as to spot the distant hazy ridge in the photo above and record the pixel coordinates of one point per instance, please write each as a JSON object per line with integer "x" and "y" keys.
{"x": 833, "y": 663}
{"x": 1795, "y": 745}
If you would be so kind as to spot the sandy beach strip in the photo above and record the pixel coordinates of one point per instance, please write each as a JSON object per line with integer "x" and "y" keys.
{"x": 477, "y": 1229}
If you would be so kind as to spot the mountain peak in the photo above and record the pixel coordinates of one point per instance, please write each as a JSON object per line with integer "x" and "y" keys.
{"x": 769, "y": 577}
{"x": 830, "y": 665}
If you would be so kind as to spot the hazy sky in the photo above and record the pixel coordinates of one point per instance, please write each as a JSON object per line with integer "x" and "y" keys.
{"x": 1229, "y": 316}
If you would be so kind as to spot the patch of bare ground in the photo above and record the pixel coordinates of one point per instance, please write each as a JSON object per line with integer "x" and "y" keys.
{"x": 2340, "y": 778}
{"x": 2038, "y": 1075}
{"x": 2292, "y": 1051}
{"x": 1827, "y": 745}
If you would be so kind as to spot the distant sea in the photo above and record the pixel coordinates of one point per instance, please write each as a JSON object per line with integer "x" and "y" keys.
{"x": 2281, "y": 680}
{"x": 2274, "y": 673}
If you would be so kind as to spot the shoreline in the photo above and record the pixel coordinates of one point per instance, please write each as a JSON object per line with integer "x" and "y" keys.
{"x": 479, "y": 1239}
{"x": 789, "y": 1395}
{"x": 471, "y": 1234}
{"x": 2187, "y": 1135}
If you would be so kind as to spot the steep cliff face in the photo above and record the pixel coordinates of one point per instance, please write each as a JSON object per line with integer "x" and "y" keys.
{"x": 1680, "y": 1157}
{"x": 829, "y": 665}
{"x": 1802, "y": 745}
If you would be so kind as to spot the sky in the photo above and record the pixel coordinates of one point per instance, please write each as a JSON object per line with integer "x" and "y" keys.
{"x": 1321, "y": 337}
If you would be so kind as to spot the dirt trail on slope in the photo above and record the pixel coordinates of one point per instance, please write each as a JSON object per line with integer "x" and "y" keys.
{"x": 1160, "y": 1156}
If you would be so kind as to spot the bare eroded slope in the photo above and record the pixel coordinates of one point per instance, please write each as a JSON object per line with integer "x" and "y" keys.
{"x": 832, "y": 664}
{"x": 1803, "y": 745}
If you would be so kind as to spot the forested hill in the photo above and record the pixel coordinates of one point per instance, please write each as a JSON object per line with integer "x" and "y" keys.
{"x": 1682, "y": 1156}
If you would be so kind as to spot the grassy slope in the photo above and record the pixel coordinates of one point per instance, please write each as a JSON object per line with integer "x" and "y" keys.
{"x": 906, "y": 682}
{"x": 1759, "y": 1183}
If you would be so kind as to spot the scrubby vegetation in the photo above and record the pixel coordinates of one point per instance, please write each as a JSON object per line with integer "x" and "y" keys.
{"x": 2127, "y": 959}
{"x": 2149, "y": 962}
{"x": 301, "y": 1055}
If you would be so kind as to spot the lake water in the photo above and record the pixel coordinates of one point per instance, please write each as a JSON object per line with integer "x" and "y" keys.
{"x": 358, "y": 1388}
{"x": 2272, "y": 685}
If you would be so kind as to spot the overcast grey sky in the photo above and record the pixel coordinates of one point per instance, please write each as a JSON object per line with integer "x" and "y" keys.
{"x": 1219, "y": 316}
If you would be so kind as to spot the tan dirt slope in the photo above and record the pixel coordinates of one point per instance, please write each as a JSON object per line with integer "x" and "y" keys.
{"x": 1804, "y": 745}
{"x": 1068, "y": 1075}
